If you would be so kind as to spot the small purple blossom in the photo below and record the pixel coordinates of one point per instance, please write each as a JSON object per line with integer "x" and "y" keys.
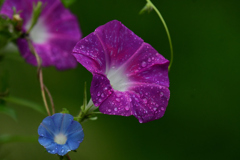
{"x": 53, "y": 36}
{"x": 60, "y": 134}
{"x": 129, "y": 76}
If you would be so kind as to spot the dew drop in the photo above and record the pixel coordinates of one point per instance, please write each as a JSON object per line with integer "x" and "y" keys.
{"x": 154, "y": 109}
{"x": 149, "y": 59}
{"x": 100, "y": 100}
{"x": 162, "y": 109}
{"x": 102, "y": 95}
{"x": 161, "y": 94}
{"x": 109, "y": 110}
{"x": 98, "y": 94}
{"x": 126, "y": 108}
{"x": 115, "y": 109}
{"x": 117, "y": 99}
{"x": 144, "y": 64}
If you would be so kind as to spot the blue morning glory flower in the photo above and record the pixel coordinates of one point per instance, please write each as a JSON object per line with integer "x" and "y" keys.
{"x": 60, "y": 134}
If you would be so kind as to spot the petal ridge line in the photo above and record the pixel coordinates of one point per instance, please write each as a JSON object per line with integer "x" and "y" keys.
{"x": 105, "y": 52}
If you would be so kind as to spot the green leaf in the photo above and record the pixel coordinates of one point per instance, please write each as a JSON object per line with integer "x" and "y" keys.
{"x": 25, "y": 103}
{"x": 4, "y": 77}
{"x": 8, "y": 111}
{"x": 37, "y": 9}
{"x": 1, "y": 2}
{"x": 8, "y": 30}
{"x": 16, "y": 138}
{"x": 67, "y": 3}
{"x": 147, "y": 7}
{"x": 64, "y": 110}
{"x": 93, "y": 118}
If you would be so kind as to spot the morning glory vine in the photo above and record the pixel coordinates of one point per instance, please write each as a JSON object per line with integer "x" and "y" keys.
{"x": 148, "y": 7}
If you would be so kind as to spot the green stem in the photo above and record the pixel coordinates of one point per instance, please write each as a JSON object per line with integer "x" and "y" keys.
{"x": 40, "y": 75}
{"x": 166, "y": 28}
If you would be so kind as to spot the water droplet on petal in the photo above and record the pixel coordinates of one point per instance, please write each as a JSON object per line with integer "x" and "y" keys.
{"x": 109, "y": 110}
{"x": 115, "y": 109}
{"x": 144, "y": 64}
{"x": 127, "y": 108}
{"x": 98, "y": 94}
{"x": 100, "y": 100}
{"x": 162, "y": 108}
{"x": 117, "y": 99}
{"x": 102, "y": 95}
{"x": 154, "y": 109}
{"x": 161, "y": 94}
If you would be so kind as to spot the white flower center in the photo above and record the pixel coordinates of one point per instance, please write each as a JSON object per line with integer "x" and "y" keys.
{"x": 39, "y": 33}
{"x": 118, "y": 79}
{"x": 60, "y": 138}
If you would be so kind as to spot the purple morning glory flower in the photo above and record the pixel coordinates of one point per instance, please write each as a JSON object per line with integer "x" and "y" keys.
{"x": 129, "y": 76}
{"x": 60, "y": 134}
{"x": 53, "y": 36}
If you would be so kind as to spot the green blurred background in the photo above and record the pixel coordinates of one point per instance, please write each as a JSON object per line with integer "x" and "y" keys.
{"x": 202, "y": 119}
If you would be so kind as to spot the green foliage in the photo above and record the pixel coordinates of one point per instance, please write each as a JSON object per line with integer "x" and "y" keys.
{"x": 16, "y": 138}
{"x": 1, "y": 2}
{"x": 8, "y": 111}
{"x": 64, "y": 110}
{"x": 25, "y": 103}
{"x": 3, "y": 81}
{"x": 37, "y": 9}
{"x": 8, "y": 30}
{"x": 67, "y": 3}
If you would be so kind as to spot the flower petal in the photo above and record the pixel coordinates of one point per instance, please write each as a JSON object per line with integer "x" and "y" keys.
{"x": 63, "y": 149}
{"x": 100, "y": 89}
{"x": 43, "y": 132}
{"x": 117, "y": 103}
{"x": 52, "y": 148}
{"x": 148, "y": 66}
{"x": 90, "y": 53}
{"x": 65, "y": 123}
{"x": 75, "y": 139}
{"x": 49, "y": 125}
{"x": 74, "y": 127}
{"x": 149, "y": 102}
{"x": 45, "y": 141}
{"x": 118, "y": 41}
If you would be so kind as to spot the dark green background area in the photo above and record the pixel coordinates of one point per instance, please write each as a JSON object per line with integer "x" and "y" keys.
{"x": 202, "y": 119}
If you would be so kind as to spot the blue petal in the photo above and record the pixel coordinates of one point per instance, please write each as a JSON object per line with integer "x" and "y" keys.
{"x": 74, "y": 127}
{"x": 66, "y": 122}
{"x": 52, "y": 148}
{"x": 63, "y": 149}
{"x": 45, "y": 141}
{"x": 43, "y": 132}
{"x": 49, "y": 125}
{"x": 57, "y": 119}
{"x": 75, "y": 139}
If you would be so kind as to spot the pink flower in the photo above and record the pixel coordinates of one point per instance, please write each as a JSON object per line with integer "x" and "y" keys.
{"x": 54, "y": 35}
{"x": 129, "y": 76}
